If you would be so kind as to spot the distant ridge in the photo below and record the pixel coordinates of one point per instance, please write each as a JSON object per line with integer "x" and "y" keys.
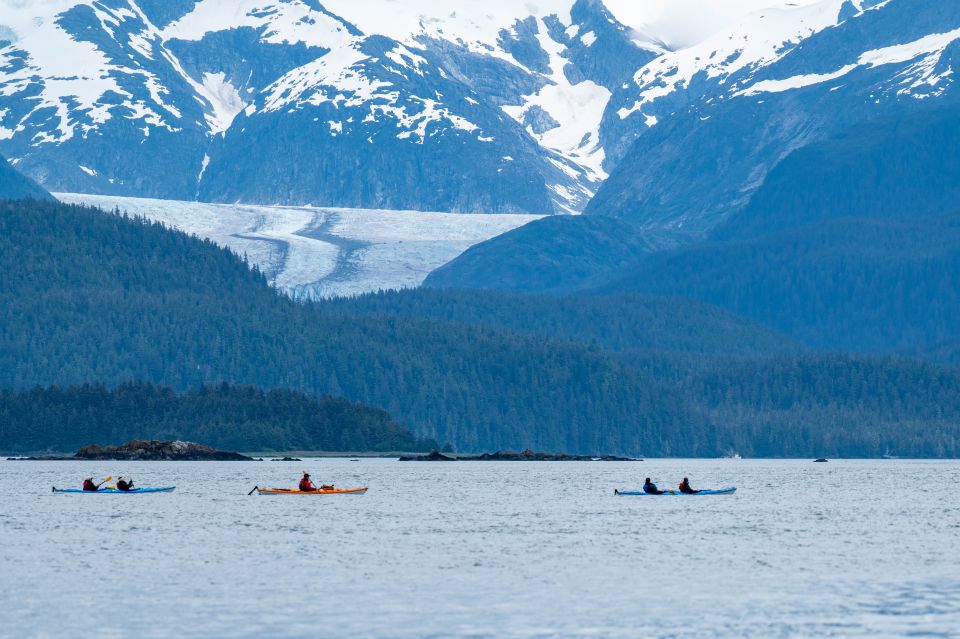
{"x": 15, "y": 186}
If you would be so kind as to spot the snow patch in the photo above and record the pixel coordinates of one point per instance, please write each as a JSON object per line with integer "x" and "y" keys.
{"x": 578, "y": 108}
{"x": 931, "y": 47}
{"x": 224, "y": 99}
{"x": 756, "y": 40}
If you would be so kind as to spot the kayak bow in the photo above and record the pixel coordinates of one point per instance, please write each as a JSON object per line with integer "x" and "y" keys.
{"x": 294, "y": 491}
{"x": 720, "y": 491}
{"x": 114, "y": 491}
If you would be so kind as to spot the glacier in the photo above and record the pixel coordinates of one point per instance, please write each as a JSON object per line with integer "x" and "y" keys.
{"x": 320, "y": 252}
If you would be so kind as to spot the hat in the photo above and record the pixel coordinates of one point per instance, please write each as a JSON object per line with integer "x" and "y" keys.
{"x": 90, "y": 478}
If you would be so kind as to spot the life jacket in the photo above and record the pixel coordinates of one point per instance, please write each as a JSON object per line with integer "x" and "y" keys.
{"x": 124, "y": 485}
{"x": 89, "y": 485}
{"x": 306, "y": 486}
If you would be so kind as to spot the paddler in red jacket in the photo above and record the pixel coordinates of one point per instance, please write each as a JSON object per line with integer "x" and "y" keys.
{"x": 89, "y": 485}
{"x": 685, "y": 487}
{"x": 306, "y": 486}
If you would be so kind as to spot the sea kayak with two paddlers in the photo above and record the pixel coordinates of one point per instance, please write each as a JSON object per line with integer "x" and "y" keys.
{"x": 114, "y": 491}
{"x": 720, "y": 491}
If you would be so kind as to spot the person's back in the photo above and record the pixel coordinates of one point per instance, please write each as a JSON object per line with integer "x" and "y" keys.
{"x": 124, "y": 485}
{"x": 88, "y": 485}
{"x": 651, "y": 488}
{"x": 685, "y": 487}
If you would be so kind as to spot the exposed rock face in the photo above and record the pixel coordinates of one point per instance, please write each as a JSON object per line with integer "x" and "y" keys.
{"x": 509, "y": 455}
{"x": 156, "y": 450}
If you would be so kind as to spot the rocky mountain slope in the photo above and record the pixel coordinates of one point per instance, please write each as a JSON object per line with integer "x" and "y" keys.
{"x": 729, "y": 109}
{"x": 724, "y": 113}
{"x": 489, "y": 107}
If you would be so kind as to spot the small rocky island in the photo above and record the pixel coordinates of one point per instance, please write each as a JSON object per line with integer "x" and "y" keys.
{"x": 508, "y": 455}
{"x": 152, "y": 450}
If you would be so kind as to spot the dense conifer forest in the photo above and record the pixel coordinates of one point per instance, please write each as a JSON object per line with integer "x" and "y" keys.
{"x": 224, "y": 416}
{"x": 93, "y": 297}
{"x": 617, "y": 323}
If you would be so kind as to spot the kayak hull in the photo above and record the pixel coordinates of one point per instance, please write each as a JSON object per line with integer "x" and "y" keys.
{"x": 114, "y": 491}
{"x": 293, "y": 491}
{"x": 640, "y": 493}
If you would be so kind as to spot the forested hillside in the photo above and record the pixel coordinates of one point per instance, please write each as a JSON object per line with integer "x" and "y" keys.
{"x": 555, "y": 254}
{"x": 226, "y": 417}
{"x": 619, "y": 323}
{"x": 852, "y": 244}
{"x": 818, "y": 405}
{"x": 855, "y": 284}
{"x": 903, "y": 168}
{"x": 96, "y": 297}
{"x": 92, "y": 297}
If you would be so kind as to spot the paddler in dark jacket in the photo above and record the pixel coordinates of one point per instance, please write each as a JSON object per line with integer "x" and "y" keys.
{"x": 651, "y": 488}
{"x": 124, "y": 485}
{"x": 306, "y": 486}
{"x": 89, "y": 485}
{"x": 685, "y": 487}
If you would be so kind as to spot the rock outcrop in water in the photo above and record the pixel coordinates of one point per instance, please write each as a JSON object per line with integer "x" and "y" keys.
{"x": 157, "y": 450}
{"x": 509, "y": 455}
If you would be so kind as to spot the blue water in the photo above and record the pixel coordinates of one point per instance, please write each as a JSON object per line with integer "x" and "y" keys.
{"x": 843, "y": 549}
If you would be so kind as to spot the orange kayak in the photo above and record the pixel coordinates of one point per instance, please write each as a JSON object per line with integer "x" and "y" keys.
{"x": 294, "y": 491}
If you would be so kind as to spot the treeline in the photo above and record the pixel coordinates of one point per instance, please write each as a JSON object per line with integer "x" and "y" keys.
{"x": 89, "y": 296}
{"x": 822, "y": 405}
{"x": 94, "y": 297}
{"x": 228, "y": 417}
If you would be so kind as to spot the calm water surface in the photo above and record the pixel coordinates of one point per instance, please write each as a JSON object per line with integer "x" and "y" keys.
{"x": 498, "y": 549}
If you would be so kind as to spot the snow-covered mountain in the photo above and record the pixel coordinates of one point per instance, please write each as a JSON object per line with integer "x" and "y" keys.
{"x": 478, "y": 106}
{"x": 724, "y": 112}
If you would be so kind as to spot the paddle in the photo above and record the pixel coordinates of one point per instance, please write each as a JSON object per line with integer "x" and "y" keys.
{"x": 252, "y": 491}
{"x": 108, "y": 478}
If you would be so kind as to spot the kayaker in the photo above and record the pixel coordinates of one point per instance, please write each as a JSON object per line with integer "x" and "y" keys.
{"x": 89, "y": 485}
{"x": 306, "y": 486}
{"x": 651, "y": 488}
{"x": 685, "y": 487}
{"x": 124, "y": 485}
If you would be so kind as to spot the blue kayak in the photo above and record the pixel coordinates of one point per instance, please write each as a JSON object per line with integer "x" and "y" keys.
{"x": 720, "y": 491}
{"x": 114, "y": 491}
